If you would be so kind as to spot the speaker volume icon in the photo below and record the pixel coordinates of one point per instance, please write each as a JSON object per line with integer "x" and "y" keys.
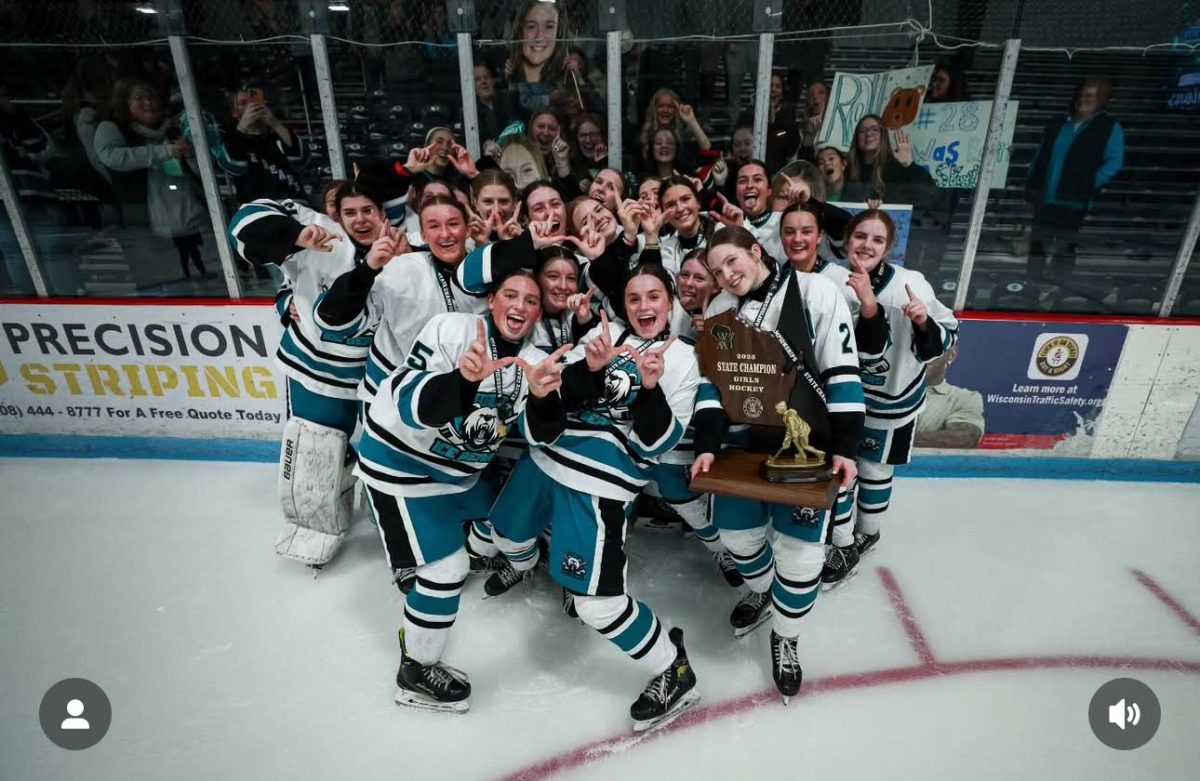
{"x": 1119, "y": 714}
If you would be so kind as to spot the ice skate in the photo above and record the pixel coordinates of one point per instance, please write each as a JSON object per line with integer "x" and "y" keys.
{"x": 405, "y": 578}
{"x": 484, "y": 565}
{"x": 668, "y": 694}
{"x": 841, "y": 565}
{"x": 865, "y": 542}
{"x": 751, "y": 612}
{"x": 785, "y": 665}
{"x": 728, "y": 569}
{"x": 502, "y": 581}
{"x": 436, "y": 687}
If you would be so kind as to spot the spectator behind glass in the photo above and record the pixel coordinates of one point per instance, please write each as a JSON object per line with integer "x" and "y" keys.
{"x": 521, "y": 159}
{"x": 1079, "y": 153}
{"x": 816, "y": 102}
{"x": 783, "y": 134}
{"x": 27, "y": 148}
{"x": 329, "y": 198}
{"x": 589, "y": 152}
{"x": 260, "y": 154}
{"x": 947, "y": 85}
{"x": 493, "y": 115}
{"x": 152, "y": 171}
{"x": 666, "y": 112}
{"x": 661, "y": 157}
{"x": 953, "y": 416}
{"x": 536, "y": 58}
{"x": 886, "y": 174}
{"x": 87, "y": 93}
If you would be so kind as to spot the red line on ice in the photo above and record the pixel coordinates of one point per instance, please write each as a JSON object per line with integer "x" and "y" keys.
{"x": 928, "y": 668}
{"x": 1165, "y": 597}
{"x": 905, "y": 614}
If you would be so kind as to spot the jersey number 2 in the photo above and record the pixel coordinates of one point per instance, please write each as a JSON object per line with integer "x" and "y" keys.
{"x": 844, "y": 330}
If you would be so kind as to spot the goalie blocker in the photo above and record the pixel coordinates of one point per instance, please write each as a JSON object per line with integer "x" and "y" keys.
{"x": 316, "y": 490}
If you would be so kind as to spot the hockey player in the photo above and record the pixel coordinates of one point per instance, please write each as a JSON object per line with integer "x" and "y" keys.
{"x": 433, "y": 427}
{"x": 394, "y": 299}
{"x": 920, "y": 328}
{"x": 809, "y": 318}
{"x": 640, "y": 388}
{"x": 801, "y": 236}
{"x": 323, "y": 368}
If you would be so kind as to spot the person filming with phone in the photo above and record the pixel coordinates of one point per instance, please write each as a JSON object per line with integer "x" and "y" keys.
{"x": 260, "y": 153}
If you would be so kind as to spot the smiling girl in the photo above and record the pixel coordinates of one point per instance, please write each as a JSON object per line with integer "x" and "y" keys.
{"x": 920, "y": 329}
{"x": 433, "y": 427}
{"x": 809, "y": 319}
{"x": 629, "y": 397}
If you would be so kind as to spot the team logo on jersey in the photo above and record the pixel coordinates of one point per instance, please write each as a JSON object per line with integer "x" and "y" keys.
{"x": 872, "y": 371}
{"x": 724, "y": 336}
{"x": 621, "y": 385}
{"x": 1057, "y": 356}
{"x": 472, "y": 437}
{"x": 574, "y": 565}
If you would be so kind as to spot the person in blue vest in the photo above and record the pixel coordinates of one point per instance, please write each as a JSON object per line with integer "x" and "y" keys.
{"x": 1079, "y": 153}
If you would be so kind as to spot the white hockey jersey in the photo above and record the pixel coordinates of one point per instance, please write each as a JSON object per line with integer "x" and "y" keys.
{"x": 765, "y": 228}
{"x": 327, "y": 362}
{"x": 601, "y": 452}
{"x": 830, "y": 330}
{"x": 410, "y": 290}
{"x": 403, "y": 454}
{"x": 894, "y": 383}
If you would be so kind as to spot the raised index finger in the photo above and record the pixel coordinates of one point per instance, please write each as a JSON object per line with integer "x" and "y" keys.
{"x": 604, "y": 320}
{"x": 482, "y": 331}
{"x": 911, "y": 295}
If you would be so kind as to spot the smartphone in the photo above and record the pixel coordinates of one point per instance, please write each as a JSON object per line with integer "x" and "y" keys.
{"x": 257, "y": 97}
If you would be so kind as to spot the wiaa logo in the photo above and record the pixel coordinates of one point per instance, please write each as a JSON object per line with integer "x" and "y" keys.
{"x": 1120, "y": 714}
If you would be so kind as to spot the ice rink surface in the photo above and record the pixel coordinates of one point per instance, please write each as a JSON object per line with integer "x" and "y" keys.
{"x": 968, "y": 647}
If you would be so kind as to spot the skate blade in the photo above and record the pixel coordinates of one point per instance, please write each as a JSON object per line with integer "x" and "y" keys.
{"x": 678, "y": 709}
{"x": 742, "y": 632}
{"x": 413, "y": 700}
{"x": 831, "y": 586}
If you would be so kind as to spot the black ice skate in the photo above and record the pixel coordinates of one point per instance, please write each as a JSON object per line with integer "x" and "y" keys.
{"x": 785, "y": 665}
{"x": 668, "y": 694}
{"x": 504, "y": 579}
{"x": 436, "y": 687}
{"x": 728, "y": 569}
{"x": 841, "y": 565}
{"x": 405, "y": 578}
{"x": 865, "y": 542}
{"x": 750, "y": 613}
{"x": 484, "y": 565}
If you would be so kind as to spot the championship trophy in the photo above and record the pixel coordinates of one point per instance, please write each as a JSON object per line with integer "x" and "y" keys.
{"x": 756, "y": 380}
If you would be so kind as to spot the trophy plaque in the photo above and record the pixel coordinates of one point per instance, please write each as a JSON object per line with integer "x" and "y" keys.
{"x": 748, "y": 366}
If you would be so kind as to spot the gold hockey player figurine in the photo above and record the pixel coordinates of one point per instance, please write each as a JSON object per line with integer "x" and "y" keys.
{"x": 795, "y": 437}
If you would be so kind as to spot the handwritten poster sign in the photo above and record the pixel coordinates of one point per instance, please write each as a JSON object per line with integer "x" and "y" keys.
{"x": 896, "y": 95}
{"x": 949, "y": 140}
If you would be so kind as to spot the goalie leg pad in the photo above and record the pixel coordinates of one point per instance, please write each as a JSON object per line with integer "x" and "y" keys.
{"x": 315, "y": 490}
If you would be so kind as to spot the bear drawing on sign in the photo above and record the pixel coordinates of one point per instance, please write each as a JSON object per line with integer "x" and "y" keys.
{"x": 902, "y": 107}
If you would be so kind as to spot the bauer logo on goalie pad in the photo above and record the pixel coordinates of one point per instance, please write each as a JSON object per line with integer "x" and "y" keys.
{"x": 574, "y": 566}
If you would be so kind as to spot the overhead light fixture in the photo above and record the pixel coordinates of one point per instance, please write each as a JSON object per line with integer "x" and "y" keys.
{"x": 145, "y": 8}
{"x": 343, "y": 7}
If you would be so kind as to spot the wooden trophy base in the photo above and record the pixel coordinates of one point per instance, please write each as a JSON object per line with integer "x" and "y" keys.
{"x": 738, "y": 473}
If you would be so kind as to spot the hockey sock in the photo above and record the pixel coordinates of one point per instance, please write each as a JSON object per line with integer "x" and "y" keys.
{"x": 874, "y": 495}
{"x": 522, "y": 555}
{"x": 432, "y": 606}
{"x": 843, "y": 517}
{"x": 479, "y": 539}
{"x": 631, "y": 626}
{"x": 752, "y": 555}
{"x": 797, "y": 583}
{"x": 695, "y": 513}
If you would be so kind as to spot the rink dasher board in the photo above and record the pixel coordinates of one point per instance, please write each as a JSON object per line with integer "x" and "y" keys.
{"x": 165, "y": 370}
